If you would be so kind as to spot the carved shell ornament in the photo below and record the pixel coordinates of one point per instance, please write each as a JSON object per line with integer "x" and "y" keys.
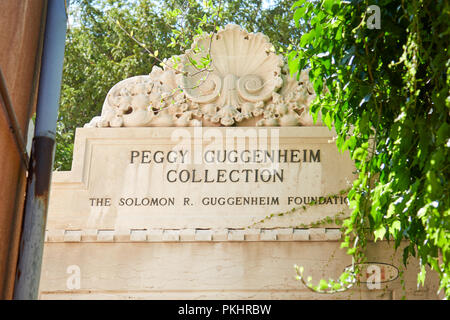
{"x": 244, "y": 71}
{"x": 246, "y": 84}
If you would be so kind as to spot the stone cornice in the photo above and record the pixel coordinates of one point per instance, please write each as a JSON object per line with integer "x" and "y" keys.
{"x": 192, "y": 234}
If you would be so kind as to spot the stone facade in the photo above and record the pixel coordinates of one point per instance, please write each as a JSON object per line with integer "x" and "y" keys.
{"x": 206, "y": 210}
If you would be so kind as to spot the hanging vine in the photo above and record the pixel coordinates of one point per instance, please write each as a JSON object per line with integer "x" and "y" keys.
{"x": 388, "y": 99}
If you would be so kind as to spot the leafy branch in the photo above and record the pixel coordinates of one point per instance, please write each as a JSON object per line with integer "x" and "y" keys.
{"x": 388, "y": 100}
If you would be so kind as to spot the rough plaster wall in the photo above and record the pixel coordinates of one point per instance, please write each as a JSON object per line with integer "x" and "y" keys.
{"x": 219, "y": 270}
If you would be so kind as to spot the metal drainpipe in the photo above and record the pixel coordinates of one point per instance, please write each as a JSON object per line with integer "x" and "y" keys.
{"x": 40, "y": 168}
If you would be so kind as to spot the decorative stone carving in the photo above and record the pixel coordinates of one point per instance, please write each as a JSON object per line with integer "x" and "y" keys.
{"x": 245, "y": 84}
{"x": 290, "y": 106}
{"x": 244, "y": 71}
{"x": 144, "y": 101}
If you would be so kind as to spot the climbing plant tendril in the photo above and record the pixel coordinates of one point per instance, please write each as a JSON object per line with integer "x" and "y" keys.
{"x": 388, "y": 99}
{"x": 337, "y": 218}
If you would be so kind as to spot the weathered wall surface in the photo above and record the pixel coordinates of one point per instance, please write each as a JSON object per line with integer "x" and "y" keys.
{"x": 99, "y": 247}
{"x": 212, "y": 270}
{"x": 20, "y": 24}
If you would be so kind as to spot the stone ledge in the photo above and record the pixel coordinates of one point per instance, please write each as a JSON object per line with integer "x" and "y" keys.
{"x": 192, "y": 234}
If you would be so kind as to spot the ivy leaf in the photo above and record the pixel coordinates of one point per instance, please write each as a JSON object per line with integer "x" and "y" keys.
{"x": 359, "y": 154}
{"x": 379, "y": 233}
{"x": 307, "y": 37}
{"x": 391, "y": 210}
{"x": 298, "y": 3}
{"x": 395, "y": 226}
{"x": 349, "y": 143}
{"x": 299, "y": 13}
{"x": 293, "y": 64}
{"x": 421, "y": 276}
{"x": 323, "y": 285}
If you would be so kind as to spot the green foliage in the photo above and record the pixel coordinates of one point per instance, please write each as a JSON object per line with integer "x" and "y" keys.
{"x": 386, "y": 92}
{"x": 345, "y": 282}
{"x": 111, "y": 40}
{"x": 336, "y": 219}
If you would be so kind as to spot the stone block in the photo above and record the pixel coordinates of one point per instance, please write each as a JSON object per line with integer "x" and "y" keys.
{"x": 72, "y": 236}
{"x": 203, "y": 235}
{"x": 138, "y": 235}
{"x": 333, "y": 234}
{"x": 284, "y": 234}
{"x": 187, "y": 234}
{"x": 252, "y": 234}
{"x": 317, "y": 234}
{"x": 105, "y": 235}
{"x": 155, "y": 235}
{"x": 268, "y": 235}
{"x": 122, "y": 235}
{"x": 220, "y": 235}
{"x": 236, "y": 235}
{"x": 171, "y": 235}
{"x": 300, "y": 235}
{"x": 55, "y": 235}
{"x": 89, "y": 235}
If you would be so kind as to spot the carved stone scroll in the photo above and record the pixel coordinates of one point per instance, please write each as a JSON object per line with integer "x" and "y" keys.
{"x": 246, "y": 84}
